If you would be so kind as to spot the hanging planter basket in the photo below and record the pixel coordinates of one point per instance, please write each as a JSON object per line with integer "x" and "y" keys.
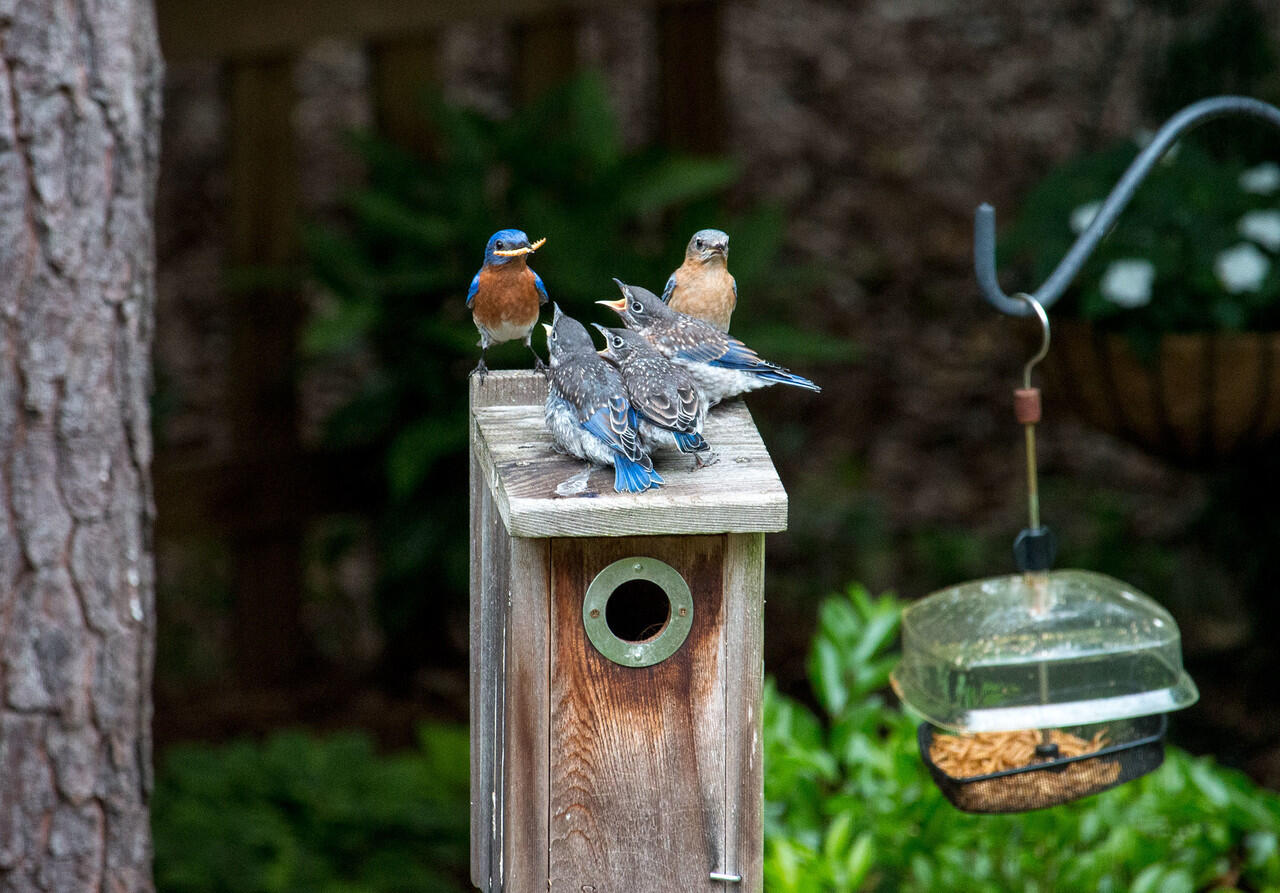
{"x": 1199, "y": 399}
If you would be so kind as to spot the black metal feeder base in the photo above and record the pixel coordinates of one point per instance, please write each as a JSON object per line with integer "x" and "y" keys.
{"x": 1139, "y": 750}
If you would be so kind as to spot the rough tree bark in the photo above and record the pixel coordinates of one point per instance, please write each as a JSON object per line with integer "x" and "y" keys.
{"x": 79, "y": 114}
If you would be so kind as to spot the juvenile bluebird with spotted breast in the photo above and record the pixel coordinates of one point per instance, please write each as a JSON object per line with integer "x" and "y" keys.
{"x": 664, "y": 395}
{"x": 587, "y": 410}
{"x": 506, "y": 296}
{"x": 722, "y": 366}
{"x": 702, "y": 286}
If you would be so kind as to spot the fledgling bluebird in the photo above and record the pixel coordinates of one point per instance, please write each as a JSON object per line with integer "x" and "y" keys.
{"x": 664, "y": 395}
{"x": 506, "y": 296}
{"x": 722, "y": 365}
{"x": 702, "y": 286}
{"x": 587, "y": 411}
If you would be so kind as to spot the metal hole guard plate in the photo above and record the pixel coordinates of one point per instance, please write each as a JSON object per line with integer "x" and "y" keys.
{"x": 650, "y": 651}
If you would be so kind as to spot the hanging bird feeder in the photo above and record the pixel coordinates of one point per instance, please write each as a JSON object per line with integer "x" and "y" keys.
{"x": 1044, "y": 686}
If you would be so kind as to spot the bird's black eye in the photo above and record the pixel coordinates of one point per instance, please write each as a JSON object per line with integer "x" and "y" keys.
{"x": 617, "y": 342}
{"x": 553, "y": 334}
{"x": 698, "y": 244}
{"x": 498, "y": 244}
{"x": 635, "y": 307}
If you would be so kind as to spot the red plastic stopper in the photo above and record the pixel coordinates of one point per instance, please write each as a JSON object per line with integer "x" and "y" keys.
{"x": 1026, "y": 405}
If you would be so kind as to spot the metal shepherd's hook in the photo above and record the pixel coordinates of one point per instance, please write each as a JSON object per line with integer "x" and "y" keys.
{"x": 984, "y": 218}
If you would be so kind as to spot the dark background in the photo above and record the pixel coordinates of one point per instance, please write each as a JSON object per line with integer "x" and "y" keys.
{"x": 308, "y": 578}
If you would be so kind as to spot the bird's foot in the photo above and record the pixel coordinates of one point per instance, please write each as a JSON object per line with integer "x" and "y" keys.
{"x": 481, "y": 370}
{"x": 538, "y": 365}
{"x": 705, "y": 458}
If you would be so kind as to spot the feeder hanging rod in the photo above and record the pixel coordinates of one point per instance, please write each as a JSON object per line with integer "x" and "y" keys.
{"x": 984, "y": 218}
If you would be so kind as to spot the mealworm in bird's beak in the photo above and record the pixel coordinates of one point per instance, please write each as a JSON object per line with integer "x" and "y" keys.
{"x": 527, "y": 249}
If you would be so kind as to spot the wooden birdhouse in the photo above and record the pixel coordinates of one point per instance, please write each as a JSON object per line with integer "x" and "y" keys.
{"x": 616, "y": 660}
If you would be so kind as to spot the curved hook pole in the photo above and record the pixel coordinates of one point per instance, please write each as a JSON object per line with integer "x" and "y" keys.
{"x": 1035, "y": 305}
{"x": 984, "y": 218}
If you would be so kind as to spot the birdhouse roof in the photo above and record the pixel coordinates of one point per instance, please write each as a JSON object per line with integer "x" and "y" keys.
{"x": 513, "y": 449}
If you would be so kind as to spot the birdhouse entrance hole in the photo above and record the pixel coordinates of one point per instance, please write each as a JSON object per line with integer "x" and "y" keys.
{"x": 638, "y": 611}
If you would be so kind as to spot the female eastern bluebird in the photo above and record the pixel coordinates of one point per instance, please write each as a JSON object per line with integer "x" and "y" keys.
{"x": 587, "y": 411}
{"x": 722, "y": 366}
{"x": 665, "y": 396}
{"x": 702, "y": 286}
{"x": 506, "y": 297}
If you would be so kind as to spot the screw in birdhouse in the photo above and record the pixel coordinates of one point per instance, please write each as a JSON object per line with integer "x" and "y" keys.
{"x": 684, "y": 612}
{"x": 637, "y": 566}
{"x": 588, "y": 888}
{"x": 595, "y": 613}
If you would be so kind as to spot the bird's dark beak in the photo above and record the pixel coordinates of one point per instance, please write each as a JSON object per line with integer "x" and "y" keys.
{"x": 601, "y": 329}
{"x": 523, "y": 249}
{"x": 722, "y": 250}
{"x": 617, "y": 306}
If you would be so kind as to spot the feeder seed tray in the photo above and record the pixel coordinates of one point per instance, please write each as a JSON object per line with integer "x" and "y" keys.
{"x": 1139, "y": 749}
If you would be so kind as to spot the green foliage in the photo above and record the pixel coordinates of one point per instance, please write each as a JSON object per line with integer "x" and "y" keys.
{"x": 1181, "y": 221}
{"x": 397, "y": 278}
{"x": 297, "y": 814}
{"x": 850, "y": 806}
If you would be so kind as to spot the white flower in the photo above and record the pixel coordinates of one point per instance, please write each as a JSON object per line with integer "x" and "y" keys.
{"x": 1082, "y": 216}
{"x": 1241, "y": 268}
{"x": 1128, "y": 282}
{"x": 1262, "y": 227}
{"x": 1261, "y": 180}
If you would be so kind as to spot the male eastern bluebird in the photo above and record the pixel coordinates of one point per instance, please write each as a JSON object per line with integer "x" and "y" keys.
{"x": 702, "y": 286}
{"x": 664, "y": 395}
{"x": 587, "y": 411}
{"x": 722, "y": 366}
{"x": 506, "y": 297}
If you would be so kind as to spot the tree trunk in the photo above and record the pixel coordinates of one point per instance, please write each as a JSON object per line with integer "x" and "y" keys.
{"x": 79, "y": 114}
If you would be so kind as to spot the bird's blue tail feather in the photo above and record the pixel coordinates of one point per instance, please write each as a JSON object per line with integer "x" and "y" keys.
{"x": 632, "y": 477}
{"x": 690, "y": 443}
{"x": 781, "y": 376}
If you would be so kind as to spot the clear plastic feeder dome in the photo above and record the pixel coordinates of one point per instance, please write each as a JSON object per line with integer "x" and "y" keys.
{"x": 1040, "y": 650}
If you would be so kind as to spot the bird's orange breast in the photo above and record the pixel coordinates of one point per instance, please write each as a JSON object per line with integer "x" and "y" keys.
{"x": 506, "y": 299}
{"x": 706, "y": 292}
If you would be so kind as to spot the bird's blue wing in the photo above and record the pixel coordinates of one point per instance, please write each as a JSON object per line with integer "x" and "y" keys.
{"x": 542, "y": 289}
{"x": 741, "y": 358}
{"x": 703, "y": 345}
{"x": 615, "y": 424}
{"x": 475, "y": 287}
{"x": 738, "y": 356}
{"x": 669, "y": 288}
{"x": 734, "y": 283}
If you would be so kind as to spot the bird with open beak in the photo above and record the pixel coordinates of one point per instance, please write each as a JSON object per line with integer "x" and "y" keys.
{"x": 722, "y": 366}
{"x": 702, "y": 286}
{"x": 587, "y": 410}
{"x": 506, "y": 296}
{"x": 665, "y": 396}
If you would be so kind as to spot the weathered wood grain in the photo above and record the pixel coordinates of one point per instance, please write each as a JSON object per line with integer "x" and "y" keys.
{"x": 527, "y": 757}
{"x": 743, "y": 695}
{"x": 637, "y": 756}
{"x": 739, "y": 494}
